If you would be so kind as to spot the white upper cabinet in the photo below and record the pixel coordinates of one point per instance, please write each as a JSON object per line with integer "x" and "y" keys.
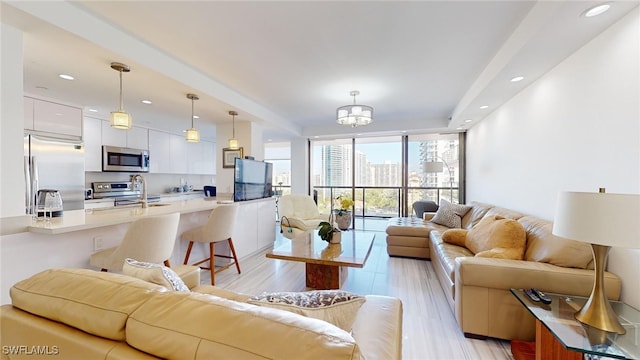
{"x": 52, "y": 117}
{"x": 179, "y": 156}
{"x": 136, "y": 137}
{"x": 159, "y": 152}
{"x": 92, "y": 138}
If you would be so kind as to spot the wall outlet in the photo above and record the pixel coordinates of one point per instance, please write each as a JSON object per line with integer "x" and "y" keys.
{"x": 97, "y": 243}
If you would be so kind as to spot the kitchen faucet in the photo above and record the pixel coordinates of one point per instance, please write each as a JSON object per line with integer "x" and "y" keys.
{"x": 139, "y": 177}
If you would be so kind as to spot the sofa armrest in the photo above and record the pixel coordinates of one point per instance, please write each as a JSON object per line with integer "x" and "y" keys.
{"x": 505, "y": 274}
{"x": 377, "y": 328}
{"x": 427, "y": 215}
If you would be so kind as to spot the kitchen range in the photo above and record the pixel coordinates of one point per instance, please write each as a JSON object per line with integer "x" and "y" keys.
{"x": 123, "y": 192}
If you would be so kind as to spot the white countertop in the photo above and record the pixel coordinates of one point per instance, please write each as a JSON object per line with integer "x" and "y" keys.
{"x": 75, "y": 220}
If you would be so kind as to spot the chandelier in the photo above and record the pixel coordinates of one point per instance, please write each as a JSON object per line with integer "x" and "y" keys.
{"x": 354, "y": 115}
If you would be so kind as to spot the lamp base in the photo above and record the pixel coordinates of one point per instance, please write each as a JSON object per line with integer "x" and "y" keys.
{"x": 597, "y": 311}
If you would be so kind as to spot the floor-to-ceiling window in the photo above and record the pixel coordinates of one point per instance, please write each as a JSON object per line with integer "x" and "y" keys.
{"x": 383, "y": 179}
{"x": 433, "y": 167}
{"x": 280, "y": 155}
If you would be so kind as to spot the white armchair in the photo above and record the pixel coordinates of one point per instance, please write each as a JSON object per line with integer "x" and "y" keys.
{"x": 299, "y": 213}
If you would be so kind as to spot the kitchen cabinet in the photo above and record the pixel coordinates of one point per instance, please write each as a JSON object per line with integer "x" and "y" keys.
{"x": 136, "y": 137}
{"x": 179, "y": 156}
{"x": 201, "y": 158}
{"x": 92, "y": 138}
{"x": 159, "y": 152}
{"x": 46, "y": 116}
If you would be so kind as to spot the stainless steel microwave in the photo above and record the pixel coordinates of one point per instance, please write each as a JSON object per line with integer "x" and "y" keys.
{"x": 124, "y": 159}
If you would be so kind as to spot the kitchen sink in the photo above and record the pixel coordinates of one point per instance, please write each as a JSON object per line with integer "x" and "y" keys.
{"x": 157, "y": 204}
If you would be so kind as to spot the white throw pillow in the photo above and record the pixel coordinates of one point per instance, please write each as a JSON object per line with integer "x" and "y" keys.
{"x": 450, "y": 215}
{"x": 333, "y": 306}
{"x": 154, "y": 273}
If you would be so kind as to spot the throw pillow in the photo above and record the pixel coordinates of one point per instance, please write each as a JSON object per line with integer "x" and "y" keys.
{"x": 154, "y": 273}
{"x": 497, "y": 237}
{"x": 450, "y": 215}
{"x": 455, "y": 237}
{"x": 334, "y": 306}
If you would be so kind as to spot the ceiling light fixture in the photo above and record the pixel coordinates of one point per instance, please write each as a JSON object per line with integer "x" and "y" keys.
{"x": 354, "y": 115}
{"x": 66, "y": 77}
{"x": 233, "y": 142}
{"x": 517, "y": 78}
{"x": 148, "y": 102}
{"x": 193, "y": 135}
{"x": 120, "y": 119}
{"x": 484, "y": 107}
{"x": 596, "y": 10}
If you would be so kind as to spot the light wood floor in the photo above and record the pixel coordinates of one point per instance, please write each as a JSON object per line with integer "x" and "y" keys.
{"x": 429, "y": 327}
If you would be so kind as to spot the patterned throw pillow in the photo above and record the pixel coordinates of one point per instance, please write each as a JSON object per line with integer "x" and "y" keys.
{"x": 450, "y": 215}
{"x": 334, "y": 306}
{"x": 154, "y": 273}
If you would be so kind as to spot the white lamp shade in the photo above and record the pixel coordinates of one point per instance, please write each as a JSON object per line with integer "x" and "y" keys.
{"x": 193, "y": 135}
{"x": 433, "y": 166}
{"x": 599, "y": 218}
{"x": 120, "y": 120}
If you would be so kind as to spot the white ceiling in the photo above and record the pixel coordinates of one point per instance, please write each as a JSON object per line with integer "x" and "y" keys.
{"x": 423, "y": 66}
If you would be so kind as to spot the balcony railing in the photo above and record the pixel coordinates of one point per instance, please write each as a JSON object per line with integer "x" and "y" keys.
{"x": 382, "y": 201}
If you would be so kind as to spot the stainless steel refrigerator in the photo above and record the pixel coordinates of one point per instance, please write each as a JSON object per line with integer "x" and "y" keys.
{"x": 54, "y": 163}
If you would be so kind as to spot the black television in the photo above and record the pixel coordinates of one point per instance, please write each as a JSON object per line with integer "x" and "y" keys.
{"x": 252, "y": 179}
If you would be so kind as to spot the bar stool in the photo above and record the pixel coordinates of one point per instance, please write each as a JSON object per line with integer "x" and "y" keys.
{"x": 150, "y": 239}
{"x": 219, "y": 227}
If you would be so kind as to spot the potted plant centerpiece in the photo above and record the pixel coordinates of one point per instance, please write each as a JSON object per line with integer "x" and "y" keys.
{"x": 328, "y": 233}
{"x": 343, "y": 212}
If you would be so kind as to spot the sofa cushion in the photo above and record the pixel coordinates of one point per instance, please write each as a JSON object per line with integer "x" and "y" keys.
{"x": 98, "y": 303}
{"x": 335, "y": 306}
{"x": 450, "y": 215}
{"x": 473, "y": 216}
{"x": 497, "y": 237}
{"x": 154, "y": 273}
{"x": 178, "y": 325}
{"x": 543, "y": 246}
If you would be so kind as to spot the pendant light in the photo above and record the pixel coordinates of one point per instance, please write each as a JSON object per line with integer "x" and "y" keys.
{"x": 193, "y": 135}
{"x": 233, "y": 142}
{"x": 120, "y": 119}
{"x": 354, "y": 115}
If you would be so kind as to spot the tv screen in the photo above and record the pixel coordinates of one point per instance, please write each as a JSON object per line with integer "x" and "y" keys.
{"x": 252, "y": 180}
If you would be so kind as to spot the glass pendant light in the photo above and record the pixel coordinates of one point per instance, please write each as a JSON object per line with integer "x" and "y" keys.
{"x": 233, "y": 142}
{"x": 120, "y": 119}
{"x": 192, "y": 135}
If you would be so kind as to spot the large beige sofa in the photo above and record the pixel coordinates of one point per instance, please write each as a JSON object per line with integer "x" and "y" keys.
{"x": 84, "y": 314}
{"x": 477, "y": 288}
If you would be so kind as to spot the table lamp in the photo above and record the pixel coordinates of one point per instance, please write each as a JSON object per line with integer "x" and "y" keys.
{"x": 603, "y": 220}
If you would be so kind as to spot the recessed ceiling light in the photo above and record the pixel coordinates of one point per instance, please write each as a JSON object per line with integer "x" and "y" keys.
{"x": 42, "y": 87}
{"x": 484, "y": 107}
{"x": 66, "y": 77}
{"x": 596, "y": 10}
{"x": 196, "y": 117}
{"x": 315, "y": 137}
{"x": 459, "y": 128}
{"x": 468, "y": 120}
{"x": 148, "y": 102}
{"x": 92, "y": 110}
{"x": 517, "y": 78}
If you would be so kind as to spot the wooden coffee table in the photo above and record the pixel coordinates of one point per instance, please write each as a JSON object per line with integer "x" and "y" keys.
{"x": 326, "y": 264}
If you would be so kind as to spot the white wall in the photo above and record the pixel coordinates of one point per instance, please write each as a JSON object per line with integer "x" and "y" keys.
{"x": 575, "y": 129}
{"x": 11, "y": 124}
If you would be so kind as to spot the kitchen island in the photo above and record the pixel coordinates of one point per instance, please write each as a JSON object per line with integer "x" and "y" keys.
{"x": 69, "y": 241}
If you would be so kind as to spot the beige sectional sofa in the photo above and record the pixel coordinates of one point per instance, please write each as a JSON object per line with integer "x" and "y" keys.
{"x": 477, "y": 288}
{"x": 84, "y": 314}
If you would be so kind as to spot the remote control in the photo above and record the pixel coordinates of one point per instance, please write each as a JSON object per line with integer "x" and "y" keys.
{"x": 543, "y": 297}
{"x": 532, "y": 295}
